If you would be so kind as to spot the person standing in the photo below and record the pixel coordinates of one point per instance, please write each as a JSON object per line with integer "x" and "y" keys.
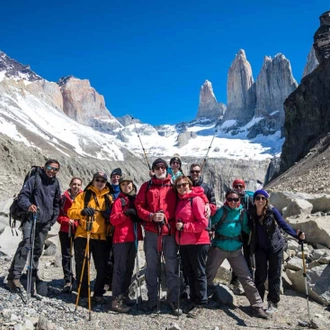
{"x": 267, "y": 244}
{"x": 67, "y": 230}
{"x": 246, "y": 200}
{"x": 93, "y": 205}
{"x": 175, "y": 168}
{"x": 193, "y": 240}
{"x": 155, "y": 204}
{"x": 229, "y": 221}
{"x": 40, "y": 195}
{"x": 127, "y": 233}
{"x": 115, "y": 176}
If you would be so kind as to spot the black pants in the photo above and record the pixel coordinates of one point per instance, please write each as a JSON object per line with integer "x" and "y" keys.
{"x": 97, "y": 249}
{"x": 247, "y": 256}
{"x": 269, "y": 264}
{"x": 109, "y": 261}
{"x": 193, "y": 258}
{"x": 65, "y": 241}
{"x": 124, "y": 254}
{"x": 24, "y": 247}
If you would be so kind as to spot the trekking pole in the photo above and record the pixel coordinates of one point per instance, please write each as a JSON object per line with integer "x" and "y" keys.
{"x": 179, "y": 267}
{"x": 70, "y": 235}
{"x": 208, "y": 150}
{"x": 89, "y": 223}
{"x": 144, "y": 151}
{"x": 137, "y": 274}
{"x": 32, "y": 239}
{"x": 304, "y": 323}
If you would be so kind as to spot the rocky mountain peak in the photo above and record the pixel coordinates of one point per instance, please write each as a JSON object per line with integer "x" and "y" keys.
{"x": 209, "y": 107}
{"x": 14, "y": 69}
{"x": 240, "y": 89}
{"x": 62, "y": 81}
{"x": 312, "y": 62}
{"x": 322, "y": 38}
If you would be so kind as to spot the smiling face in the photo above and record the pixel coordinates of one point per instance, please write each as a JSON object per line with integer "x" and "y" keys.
{"x": 260, "y": 201}
{"x": 126, "y": 187}
{"x": 75, "y": 186}
{"x": 99, "y": 183}
{"x": 51, "y": 170}
{"x": 233, "y": 200}
{"x": 115, "y": 179}
{"x": 195, "y": 173}
{"x": 160, "y": 171}
{"x": 183, "y": 186}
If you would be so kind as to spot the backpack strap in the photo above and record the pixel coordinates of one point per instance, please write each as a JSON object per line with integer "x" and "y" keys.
{"x": 222, "y": 220}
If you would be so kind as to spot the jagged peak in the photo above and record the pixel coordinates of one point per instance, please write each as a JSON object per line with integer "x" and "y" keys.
{"x": 63, "y": 80}
{"x": 241, "y": 53}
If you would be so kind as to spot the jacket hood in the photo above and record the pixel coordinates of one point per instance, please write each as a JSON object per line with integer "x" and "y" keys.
{"x": 229, "y": 209}
{"x": 196, "y": 191}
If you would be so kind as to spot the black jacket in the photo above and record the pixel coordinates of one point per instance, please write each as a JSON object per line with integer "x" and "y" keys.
{"x": 43, "y": 192}
{"x": 208, "y": 191}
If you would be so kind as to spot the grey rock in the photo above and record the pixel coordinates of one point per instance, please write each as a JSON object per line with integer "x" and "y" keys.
{"x": 322, "y": 38}
{"x": 312, "y": 62}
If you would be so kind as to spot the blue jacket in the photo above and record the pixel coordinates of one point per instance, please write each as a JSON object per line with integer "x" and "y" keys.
{"x": 231, "y": 227}
{"x": 268, "y": 235}
{"x": 43, "y": 194}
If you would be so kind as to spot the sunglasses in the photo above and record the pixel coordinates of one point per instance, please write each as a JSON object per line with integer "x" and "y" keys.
{"x": 182, "y": 185}
{"x": 260, "y": 198}
{"x": 99, "y": 180}
{"x": 157, "y": 168}
{"x": 229, "y": 199}
{"x": 176, "y": 163}
{"x": 51, "y": 168}
{"x": 238, "y": 186}
{"x": 194, "y": 171}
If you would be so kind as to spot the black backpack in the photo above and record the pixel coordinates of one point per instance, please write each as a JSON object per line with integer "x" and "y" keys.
{"x": 16, "y": 213}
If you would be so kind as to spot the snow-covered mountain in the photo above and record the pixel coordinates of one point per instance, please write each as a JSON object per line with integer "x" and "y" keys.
{"x": 71, "y": 117}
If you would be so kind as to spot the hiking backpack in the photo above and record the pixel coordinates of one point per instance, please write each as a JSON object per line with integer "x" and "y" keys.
{"x": 16, "y": 213}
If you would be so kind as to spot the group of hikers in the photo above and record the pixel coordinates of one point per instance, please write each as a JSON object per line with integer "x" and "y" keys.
{"x": 176, "y": 217}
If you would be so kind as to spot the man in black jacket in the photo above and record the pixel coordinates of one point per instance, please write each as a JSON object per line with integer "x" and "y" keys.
{"x": 40, "y": 195}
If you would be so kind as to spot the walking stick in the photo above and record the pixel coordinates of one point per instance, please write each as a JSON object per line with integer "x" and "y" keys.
{"x": 32, "y": 239}
{"x": 137, "y": 274}
{"x": 208, "y": 150}
{"x": 70, "y": 235}
{"x": 89, "y": 222}
{"x": 144, "y": 151}
{"x": 179, "y": 267}
{"x": 304, "y": 323}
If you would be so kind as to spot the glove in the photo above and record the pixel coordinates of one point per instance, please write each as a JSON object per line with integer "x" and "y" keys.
{"x": 88, "y": 211}
{"x": 106, "y": 214}
{"x": 130, "y": 212}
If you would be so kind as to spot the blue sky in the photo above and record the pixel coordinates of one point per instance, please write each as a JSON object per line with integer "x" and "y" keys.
{"x": 149, "y": 58}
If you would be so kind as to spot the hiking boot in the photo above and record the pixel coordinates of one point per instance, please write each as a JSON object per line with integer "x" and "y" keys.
{"x": 99, "y": 300}
{"x": 67, "y": 288}
{"x": 175, "y": 309}
{"x": 150, "y": 307}
{"x": 259, "y": 312}
{"x": 272, "y": 308}
{"x": 14, "y": 285}
{"x": 119, "y": 306}
{"x": 195, "y": 312}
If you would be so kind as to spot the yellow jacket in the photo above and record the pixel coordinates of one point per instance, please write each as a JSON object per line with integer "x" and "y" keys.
{"x": 99, "y": 226}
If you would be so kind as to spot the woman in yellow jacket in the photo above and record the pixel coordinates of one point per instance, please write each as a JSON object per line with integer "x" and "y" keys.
{"x": 94, "y": 204}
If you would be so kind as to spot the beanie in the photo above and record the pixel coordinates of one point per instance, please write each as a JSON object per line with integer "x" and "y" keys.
{"x": 238, "y": 182}
{"x": 159, "y": 162}
{"x": 175, "y": 159}
{"x": 116, "y": 171}
{"x": 260, "y": 192}
{"x": 100, "y": 175}
{"x": 125, "y": 178}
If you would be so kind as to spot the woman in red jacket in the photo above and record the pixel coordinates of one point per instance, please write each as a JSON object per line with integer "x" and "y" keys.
{"x": 127, "y": 233}
{"x": 193, "y": 240}
{"x": 67, "y": 229}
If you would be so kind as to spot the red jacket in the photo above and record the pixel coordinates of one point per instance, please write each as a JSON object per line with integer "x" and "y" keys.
{"x": 160, "y": 195}
{"x": 123, "y": 225}
{"x": 191, "y": 211}
{"x": 63, "y": 219}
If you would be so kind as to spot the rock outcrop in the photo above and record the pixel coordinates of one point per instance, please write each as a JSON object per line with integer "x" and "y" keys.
{"x": 307, "y": 116}
{"x": 311, "y": 64}
{"x": 84, "y": 104}
{"x": 240, "y": 90}
{"x": 322, "y": 38}
{"x": 209, "y": 107}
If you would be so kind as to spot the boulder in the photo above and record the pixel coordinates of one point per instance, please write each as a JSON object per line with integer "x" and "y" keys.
{"x": 297, "y": 207}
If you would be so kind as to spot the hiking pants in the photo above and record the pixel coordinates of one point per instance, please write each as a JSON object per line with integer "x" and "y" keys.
{"x": 97, "y": 249}
{"x": 238, "y": 264}
{"x": 193, "y": 258}
{"x": 169, "y": 250}
{"x": 24, "y": 247}
{"x": 66, "y": 257}
{"x": 247, "y": 256}
{"x": 124, "y": 254}
{"x": 109, "y": 262}
{"x": 269, "y": 264}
